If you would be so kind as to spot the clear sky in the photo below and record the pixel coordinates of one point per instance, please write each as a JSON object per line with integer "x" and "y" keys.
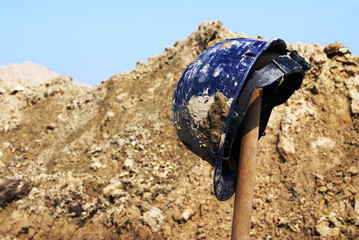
{"x": 92, "y": 40}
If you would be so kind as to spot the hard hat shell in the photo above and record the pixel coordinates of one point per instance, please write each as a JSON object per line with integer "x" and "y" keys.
{"x": 213, "y": 94}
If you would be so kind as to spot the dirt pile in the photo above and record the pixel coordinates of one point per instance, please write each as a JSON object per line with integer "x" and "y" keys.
{"x": 105, "y": 162}
{"x": 26, "y": 72}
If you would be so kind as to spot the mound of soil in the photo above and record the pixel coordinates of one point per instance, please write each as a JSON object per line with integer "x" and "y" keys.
{"x": 27, "y": 72}
{"x": 105, "y": 162}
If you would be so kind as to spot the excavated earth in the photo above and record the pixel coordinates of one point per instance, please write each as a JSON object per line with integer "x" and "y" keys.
{"x": 104, "y": 162}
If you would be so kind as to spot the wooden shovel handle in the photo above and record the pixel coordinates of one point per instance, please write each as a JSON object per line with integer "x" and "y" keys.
{"x": 242, "y": 213}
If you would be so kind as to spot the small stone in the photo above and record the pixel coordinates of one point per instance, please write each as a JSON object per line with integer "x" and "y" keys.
{"x": 187, "y": 214}
{"x": 118, "y": 193}
{"x": 282, "y": 221}
{"x": 352, "y": 189}
{"x": 7, "y": 145}
{"x": 270, "y": 197}
{"x": 95, "y": 165}
{"x": 118, "y": 216}
{"x": 110, "y": 114}
{"x": 145, "y": 206}
{"x": 128, "y": 164}
{"x": 126, "y": 180}
{"x": 322, "y": 206}
{"x": 325, "y": 231}
{"x": 318, "y": 176}
{"x": 322, "y": 189}
{"x": 353, "y": 170}
{"x": 201, "y": 236}
{"x": 147, "y": 196}
{"x": 94, "y": 150}
{"x": 184, "y": 216}
{"x": 286, "y": 148}
{"x": 114, "y": 190}
{"x": 356, "y": 204}
{"x": 153, "y": 219}
{"x": 70, "y": 106}
{"x": 133, "y": 212}
{"x": 333, "y": 218}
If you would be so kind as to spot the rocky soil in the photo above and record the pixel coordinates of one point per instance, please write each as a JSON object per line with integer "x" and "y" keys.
{"x": 105, "y": 162}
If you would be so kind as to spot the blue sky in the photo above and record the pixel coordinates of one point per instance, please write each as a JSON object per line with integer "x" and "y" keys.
{"x": 92, "y": 40}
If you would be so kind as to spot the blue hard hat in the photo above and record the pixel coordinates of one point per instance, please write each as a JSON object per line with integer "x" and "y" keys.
{"x": 213, "y": 94}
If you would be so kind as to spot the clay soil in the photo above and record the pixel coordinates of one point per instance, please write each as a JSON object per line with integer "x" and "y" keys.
{"x": 104, "y": 162}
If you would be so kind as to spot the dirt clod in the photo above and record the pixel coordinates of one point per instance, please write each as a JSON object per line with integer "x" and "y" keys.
{"x": 212, "y": 125}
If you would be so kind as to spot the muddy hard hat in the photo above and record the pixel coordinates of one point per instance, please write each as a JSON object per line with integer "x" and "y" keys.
{"x": 213, "y": 94}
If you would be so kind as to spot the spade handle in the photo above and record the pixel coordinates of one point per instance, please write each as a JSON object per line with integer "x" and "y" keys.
{"x": 241, "y": 224}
